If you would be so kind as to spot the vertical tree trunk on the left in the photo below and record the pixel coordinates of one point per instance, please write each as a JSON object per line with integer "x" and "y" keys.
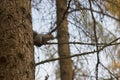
{"x": 16, "y": 40}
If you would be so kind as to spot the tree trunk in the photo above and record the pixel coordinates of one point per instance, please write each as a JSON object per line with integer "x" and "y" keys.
{"x": 16, "y": 40}
{"x": 63, "y": 37}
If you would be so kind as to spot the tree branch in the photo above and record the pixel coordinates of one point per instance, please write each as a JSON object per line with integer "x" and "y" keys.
{"x": 75, "y": 55}
{"x": 99, "y": 12}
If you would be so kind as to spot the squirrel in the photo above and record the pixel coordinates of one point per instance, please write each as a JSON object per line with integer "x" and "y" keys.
{"x": 41, "y": 39}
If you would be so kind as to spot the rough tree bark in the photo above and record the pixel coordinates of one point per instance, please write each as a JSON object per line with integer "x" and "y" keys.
{"x": 63, "y": 37}
{"x": 16, "y": 40}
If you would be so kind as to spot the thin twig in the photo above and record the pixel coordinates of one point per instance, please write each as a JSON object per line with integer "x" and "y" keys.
{"x": 62, "y": 19}
{"x": 75, "y": 55}
{"x": 96, "y": 39}
{"x": 99, "y": 12}
{"x": 82, "y": 43}
{"x": 108, "y": 71}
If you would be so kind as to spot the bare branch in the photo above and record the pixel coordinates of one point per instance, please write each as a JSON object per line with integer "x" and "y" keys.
{"x": 99, "y": 12}
{"x": 81, "y": 54}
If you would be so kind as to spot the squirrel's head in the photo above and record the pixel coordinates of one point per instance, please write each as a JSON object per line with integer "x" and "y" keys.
{"x": 51, "y": 36}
